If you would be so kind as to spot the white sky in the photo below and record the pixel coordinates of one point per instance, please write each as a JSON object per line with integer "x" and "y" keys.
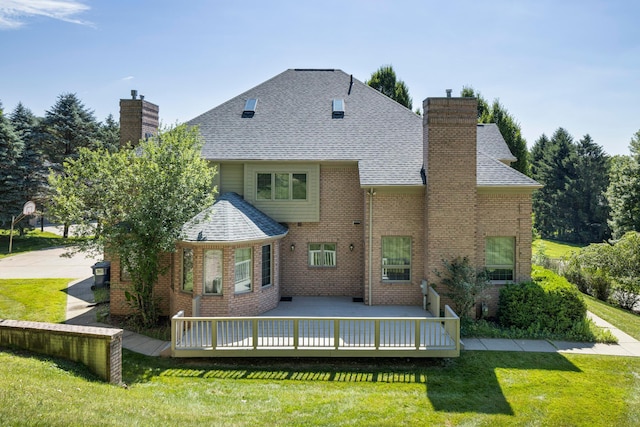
{"x": 571, "y": 64}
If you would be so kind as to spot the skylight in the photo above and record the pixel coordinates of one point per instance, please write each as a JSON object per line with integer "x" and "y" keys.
{"x": 338, "y": 108}
{"x": 250, "y": 107}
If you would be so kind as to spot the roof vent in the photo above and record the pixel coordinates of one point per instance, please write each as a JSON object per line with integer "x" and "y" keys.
{"x": 338, "y": 108}
{"x": 250, "y": 107}
{"x": 448, "y": 93}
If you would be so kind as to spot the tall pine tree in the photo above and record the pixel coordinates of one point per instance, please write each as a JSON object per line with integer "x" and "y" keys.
{"x": 32, "y": 167}
{"x": 68, "y": 126}
{"x": 592, "y": 180}
{"x": 571, "y": 206}
{"x": 11, "y": 181}
{"x": 109, "y": 135}
{"x": 384, "y": 80}
{"x": 555, "y": 203}
{"x": 509, "y": 127}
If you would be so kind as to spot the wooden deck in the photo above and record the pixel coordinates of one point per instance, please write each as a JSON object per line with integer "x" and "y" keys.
{"x": 316, "y": 336}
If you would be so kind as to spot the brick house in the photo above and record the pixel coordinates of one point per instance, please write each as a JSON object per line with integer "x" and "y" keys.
{"x": 329, "y": 188}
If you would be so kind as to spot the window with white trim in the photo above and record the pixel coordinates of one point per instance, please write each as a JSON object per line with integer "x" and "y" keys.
{"x": 322, "y": 254}
{"x": 212, "y": 275}
{"x": 243, "y": 270}
{"x": 187, "y": 270}
{"x": 396, "y": 259}
{"x": 500, "y": 255}
{"x": 281, "y": 186}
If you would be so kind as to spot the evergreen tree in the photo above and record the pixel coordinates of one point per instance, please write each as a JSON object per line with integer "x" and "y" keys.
{"x": 109, "y": 135}
{"x": 384, "y": 80}
{"x": 509, "y": 127}
{"x": 32, "y": 167}
{"x": 11, "y": 182}
{"x": 623, "y": 193}
{"x": 554, "y": 205}
{"x": 592, "y": 181}
{"x": 512, "y": 134}
{"x": 68, "y": 126}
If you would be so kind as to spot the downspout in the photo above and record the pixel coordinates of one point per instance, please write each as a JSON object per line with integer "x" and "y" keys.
{"x": 371, "y": 194}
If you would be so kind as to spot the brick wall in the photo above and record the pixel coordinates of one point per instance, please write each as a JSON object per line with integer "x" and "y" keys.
{"x": 341, "y": 204}
{"x": 507, "y": 215}
{"x": 118, "y": 305}
{"x": 230, "y": 303}
{"x": 395, "y": 214}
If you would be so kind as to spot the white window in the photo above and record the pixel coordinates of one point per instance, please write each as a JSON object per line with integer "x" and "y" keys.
{"x": 212, "y": 271}
{"x": 500, "y": 255}
{"x": 396, "y": 259}
{"x": 281, "y": 186}
{"x": 243, "y": 270}
{"x": 322, "y": 254}
{"x": 187, "y": 270}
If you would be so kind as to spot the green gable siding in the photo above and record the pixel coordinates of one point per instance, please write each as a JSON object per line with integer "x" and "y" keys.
{"x": 231, "y": 178}
{"x": 285, "y": 210}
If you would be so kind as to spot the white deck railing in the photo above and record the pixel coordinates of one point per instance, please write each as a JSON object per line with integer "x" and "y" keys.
{"x": 318, "y": 336}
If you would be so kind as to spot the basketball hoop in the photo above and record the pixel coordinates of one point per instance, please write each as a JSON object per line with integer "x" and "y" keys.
{"x": 29, "y": 208}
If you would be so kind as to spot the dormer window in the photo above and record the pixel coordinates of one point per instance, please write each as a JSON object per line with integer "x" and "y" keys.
{"x": 250, "y": 107}
{"x": 338, "y": 108}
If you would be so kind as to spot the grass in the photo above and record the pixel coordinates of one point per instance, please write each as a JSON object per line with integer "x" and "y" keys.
{"x": 554, "y": 248}
{"x": 32, "y": 240}
{"x": 624, "y": 320}
{"x": 479, "y": 388}
{"x": 585, "y": 331}
{"x": 38, "y": 300}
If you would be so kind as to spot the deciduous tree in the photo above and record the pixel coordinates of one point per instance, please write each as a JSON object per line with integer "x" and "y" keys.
{"x": 623, "y": 193}
{"x": 141, "y": 199}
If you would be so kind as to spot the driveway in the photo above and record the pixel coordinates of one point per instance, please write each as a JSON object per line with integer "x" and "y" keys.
{"x": 46, "y": 263}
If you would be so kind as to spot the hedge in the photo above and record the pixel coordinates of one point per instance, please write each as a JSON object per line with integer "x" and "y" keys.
{"x": 548, "y": 303}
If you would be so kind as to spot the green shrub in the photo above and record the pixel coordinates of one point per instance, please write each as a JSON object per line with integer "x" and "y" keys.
{"x": 464, "y": 285}
{"x": 547, "y": 304}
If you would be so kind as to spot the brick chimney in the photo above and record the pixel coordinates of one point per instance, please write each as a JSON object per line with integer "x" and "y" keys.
{"x": 138, "y": 119}
{"x": 449, "y": 138}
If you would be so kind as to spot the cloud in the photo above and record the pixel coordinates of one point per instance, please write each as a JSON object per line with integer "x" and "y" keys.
{"x": 14, "y": 12}
{"x": 127, "y": 78}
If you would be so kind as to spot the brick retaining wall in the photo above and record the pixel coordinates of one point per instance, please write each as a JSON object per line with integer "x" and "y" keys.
{"x": 100, "y": 349}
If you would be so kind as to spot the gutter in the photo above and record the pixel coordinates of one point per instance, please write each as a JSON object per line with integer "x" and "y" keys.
{"x": 371, "y": 193}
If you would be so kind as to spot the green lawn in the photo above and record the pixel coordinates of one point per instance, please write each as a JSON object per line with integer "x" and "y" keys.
{"x": 624, "y": 320}
{"x": 32, "y": 240}
{"x": 39, "y": 300}
{"x": 554, "y": 248}
{"x": 479, "y": 388}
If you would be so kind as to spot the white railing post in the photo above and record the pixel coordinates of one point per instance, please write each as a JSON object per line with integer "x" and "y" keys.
{"x": 254, "y": 333}
{"x": 214, "y": 333}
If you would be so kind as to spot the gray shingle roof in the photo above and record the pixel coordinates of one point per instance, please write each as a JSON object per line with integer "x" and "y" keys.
{"x": 231, "y": 219}
{"x": 491, "y": 143}
{"x": 293, "y": 122}
{"x": 491, "y": 172}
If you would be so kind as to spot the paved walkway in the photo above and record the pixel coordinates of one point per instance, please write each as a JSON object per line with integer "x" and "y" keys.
{"x": 81, "y": 310}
